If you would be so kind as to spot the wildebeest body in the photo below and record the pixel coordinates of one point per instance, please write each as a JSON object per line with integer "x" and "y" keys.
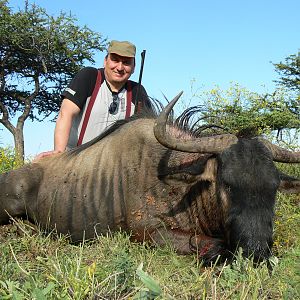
{"x": 127, "y": 179}
{"x": 118, "y": 182}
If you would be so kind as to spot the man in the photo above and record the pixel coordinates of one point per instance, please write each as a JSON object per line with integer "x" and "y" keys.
{"x": 95, "y": 99}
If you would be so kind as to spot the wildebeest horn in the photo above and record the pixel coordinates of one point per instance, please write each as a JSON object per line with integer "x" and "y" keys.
{"x": 281, "y": 154}
{"x": 213, "y": 144}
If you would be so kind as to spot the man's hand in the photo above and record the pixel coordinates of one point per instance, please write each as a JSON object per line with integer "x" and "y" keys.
{"x": 45, "y": 154}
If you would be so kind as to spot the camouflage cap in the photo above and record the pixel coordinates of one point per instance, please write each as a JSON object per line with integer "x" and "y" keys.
{"x": 123, "y": 48}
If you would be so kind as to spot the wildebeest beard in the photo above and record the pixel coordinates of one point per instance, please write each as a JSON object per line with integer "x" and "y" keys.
{"x": 250, "y": 180}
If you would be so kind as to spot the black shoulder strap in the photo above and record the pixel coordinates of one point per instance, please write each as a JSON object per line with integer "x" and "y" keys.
{"x": 101, "y": 70}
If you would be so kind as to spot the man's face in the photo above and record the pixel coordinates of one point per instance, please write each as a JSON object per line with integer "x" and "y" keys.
{"x": 118, "y": 68}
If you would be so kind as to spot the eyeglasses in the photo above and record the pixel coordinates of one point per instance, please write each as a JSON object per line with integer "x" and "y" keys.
{"x": 114, "y": 105}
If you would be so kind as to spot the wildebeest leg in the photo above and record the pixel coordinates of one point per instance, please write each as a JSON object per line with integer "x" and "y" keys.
{"x": 184, "y": 242}
{"x": 209, "y": 249}
{"x": 18, "y": 190}
{"x": 177, "y": 238}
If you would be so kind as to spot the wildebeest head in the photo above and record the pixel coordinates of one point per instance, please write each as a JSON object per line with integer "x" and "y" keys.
{"x": 248, "y": 180}
{"x": 247, "y": 183}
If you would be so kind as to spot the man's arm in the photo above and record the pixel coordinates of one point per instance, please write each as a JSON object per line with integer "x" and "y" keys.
{"x": 68, "y": 111}
{"x": 62, "y": 130}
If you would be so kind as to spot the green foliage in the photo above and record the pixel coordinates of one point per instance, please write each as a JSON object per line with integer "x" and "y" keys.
{"x": 289, "y": 72}
{"x": 239, "y": 111}
{"x": 39, "y": 49}
{"x": 7, "y": 159}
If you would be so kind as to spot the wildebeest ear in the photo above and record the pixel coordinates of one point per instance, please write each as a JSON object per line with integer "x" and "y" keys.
{"x": 289, "y": 184}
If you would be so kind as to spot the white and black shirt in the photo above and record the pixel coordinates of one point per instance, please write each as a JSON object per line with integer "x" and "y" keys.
{"x": 96, "y": 117}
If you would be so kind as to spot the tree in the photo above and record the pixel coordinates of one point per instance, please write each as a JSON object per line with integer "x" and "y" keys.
{"x": 39, "y": 54}
{"x": 245, "y": 113}
{"x": 289, "y": 72}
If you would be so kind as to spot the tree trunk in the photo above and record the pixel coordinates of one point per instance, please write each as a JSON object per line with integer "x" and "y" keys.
{"x": 19, "y": 146}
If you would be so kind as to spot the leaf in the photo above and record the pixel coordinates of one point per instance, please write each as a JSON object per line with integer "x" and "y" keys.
{"x": 48, "y": 288}
{"x": 91, "y": 270}
{"x": 38, "y": 294}
{"x": 17, "y": 296}
{"x": 142, "y": 295}
{"x": 148, "y": 281}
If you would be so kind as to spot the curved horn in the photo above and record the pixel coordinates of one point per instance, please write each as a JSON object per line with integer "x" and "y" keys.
{"x": 281, "y": 154}
{"x": 213, "y": 144}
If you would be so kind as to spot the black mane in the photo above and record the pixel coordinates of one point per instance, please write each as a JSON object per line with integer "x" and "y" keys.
{"x": 193, "y": 120}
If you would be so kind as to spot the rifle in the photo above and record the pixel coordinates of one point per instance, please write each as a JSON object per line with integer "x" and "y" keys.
{"x": 136, "y": 102}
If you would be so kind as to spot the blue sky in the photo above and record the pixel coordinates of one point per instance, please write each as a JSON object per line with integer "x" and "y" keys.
{"x": 211, "y": 42}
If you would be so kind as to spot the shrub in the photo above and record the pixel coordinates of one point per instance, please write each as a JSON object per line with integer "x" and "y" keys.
{"x": 7, "y": 159}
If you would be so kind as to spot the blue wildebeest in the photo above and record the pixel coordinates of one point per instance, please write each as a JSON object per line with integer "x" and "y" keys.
{"x": 161, "y": 184}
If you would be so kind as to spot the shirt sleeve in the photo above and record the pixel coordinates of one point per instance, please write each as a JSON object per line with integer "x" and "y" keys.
{"x": 81, "y": 86}
{"x": 143, "y": 97}
{"x": 147, "y": 104}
